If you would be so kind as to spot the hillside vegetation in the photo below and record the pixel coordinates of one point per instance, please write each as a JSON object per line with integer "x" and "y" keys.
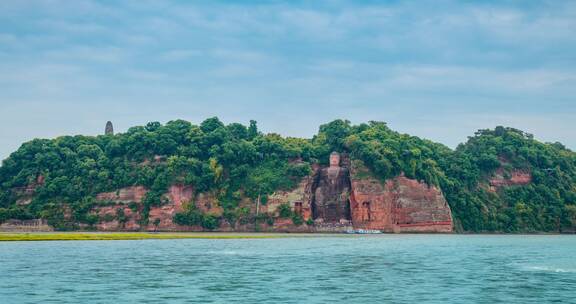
{"x": 234, "y": 161}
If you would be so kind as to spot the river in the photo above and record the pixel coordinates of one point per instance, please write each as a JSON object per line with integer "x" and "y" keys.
{"x": 352, "y": 269}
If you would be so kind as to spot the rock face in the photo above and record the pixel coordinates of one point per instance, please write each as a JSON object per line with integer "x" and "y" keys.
{"x": 110, "y": 218}
{"x": 26, "y": 194}
{"x": 399, "y": 205}
{"x": 514, "y": 178}
{"x": 330, "y": 202}
{"x": 419, "y": 207}
{"x": 124, "y": 195}
{"x": 372, "y": 205}
{"x": 208, "y": 203}
{"x": 339, "y": 197}
{"x": 299, "y": 199}
{"x": 177, "y": 196}
{"x": 117, "y": 214}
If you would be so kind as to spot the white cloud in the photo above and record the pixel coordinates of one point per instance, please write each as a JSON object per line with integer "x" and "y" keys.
{"x": 437, "y": 69}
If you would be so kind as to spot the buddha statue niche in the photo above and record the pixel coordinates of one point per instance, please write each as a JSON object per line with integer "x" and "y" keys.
{"x": 332, "y": 193}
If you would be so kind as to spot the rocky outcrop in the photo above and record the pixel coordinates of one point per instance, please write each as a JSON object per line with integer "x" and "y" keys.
{"x": 337, "y": 198}
{"x": 161, "y": 218}
{"x": 208, "y": 203}
{"x": 515, "y": 177}
{"x": 372, "y": 206}
{"x": 25, "y": 195}
{"x": 117, "y": 217}
{"x": 299, "y": 200}
{"x": 419, "y": 207}
{"x": 117, "y": 213}
{"x": 122, "y": 214}
{"x": 124, "y": 195}
{"x": 506, "y": 175}
{"x": 397, "y": 205}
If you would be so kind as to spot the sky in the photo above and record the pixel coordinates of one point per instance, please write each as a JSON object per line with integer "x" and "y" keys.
{"x": 436, "y": 69}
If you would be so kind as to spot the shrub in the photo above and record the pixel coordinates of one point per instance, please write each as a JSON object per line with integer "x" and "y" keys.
{"x": 297, "y": 219}
{"x": 284, "y": 211}
{"x": 209, "y": 221}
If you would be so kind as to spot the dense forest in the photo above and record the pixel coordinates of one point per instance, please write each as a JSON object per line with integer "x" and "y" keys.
{"x": 237, "y": 161}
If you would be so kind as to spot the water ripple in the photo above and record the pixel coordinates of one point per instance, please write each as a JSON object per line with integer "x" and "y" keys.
{"x": 363, "y": 269}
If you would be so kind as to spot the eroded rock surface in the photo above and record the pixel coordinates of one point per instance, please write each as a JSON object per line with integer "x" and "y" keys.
{"x": 177, "y": 196}
{"x": 26, "y": 194}
{"x": 124, "y": 195}
{"x": 339, "y": 197}
{"x": 514, "y": 178}
{"x": 419, "y": 207}
{"x": 112, "y": 220}
{"x": 119, "y": 215}
{"x": 208, "y": 203}
{"x": 398, "y": 205}
{"x": 299, "y": 199}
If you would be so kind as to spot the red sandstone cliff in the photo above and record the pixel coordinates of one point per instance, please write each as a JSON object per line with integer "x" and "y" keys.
{"x": 124, "y": 195}
{"x": 109, "y": 215}
{"x": 299, "y": 199}
{"x": 398, "y": 205}
{"x": 514, "y": 178}
{"x": 161, "y": 218}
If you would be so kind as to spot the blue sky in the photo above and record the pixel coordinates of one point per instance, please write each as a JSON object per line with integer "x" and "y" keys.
{"x": 436, "y": 69}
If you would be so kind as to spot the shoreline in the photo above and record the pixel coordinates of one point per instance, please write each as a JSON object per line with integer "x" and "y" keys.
{"x": 111, "y": 236}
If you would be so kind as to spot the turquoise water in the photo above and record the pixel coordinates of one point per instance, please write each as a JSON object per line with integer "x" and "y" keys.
{"x": 358, "y": 269}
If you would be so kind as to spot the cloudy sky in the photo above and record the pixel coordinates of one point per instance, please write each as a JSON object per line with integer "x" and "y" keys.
{"x": 436, "y": 69}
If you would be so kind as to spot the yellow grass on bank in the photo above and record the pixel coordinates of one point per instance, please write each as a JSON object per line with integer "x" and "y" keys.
{"x": 94, "y": 236}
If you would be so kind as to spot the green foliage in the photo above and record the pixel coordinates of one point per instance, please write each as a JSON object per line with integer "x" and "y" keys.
{"x": 156, "y": 222}
{"x": 235, "y": 161}
{"x": 4, "y": 215}
{"x": 297, "y": 219}
{"x": 539, "y": 206}
{"x": 194, "y": 217}
{"x": 210, "y": 222}
{"x": 212, "y": 157}
{"x": 121, "y": 216}
{"x": 284, "y": 211}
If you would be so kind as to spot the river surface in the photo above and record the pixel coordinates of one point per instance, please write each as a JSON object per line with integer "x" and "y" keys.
{"x": 355, "y": 269}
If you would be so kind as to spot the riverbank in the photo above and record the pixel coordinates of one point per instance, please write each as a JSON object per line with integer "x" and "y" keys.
{"x": 96, "y": 236}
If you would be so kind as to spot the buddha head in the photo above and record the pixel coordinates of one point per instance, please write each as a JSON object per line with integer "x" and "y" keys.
{"x": 334, "y": 159}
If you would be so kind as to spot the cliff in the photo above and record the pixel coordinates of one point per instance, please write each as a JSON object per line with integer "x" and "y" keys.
{"x": 397, "y": 205}
{"x": 331, "y": 199}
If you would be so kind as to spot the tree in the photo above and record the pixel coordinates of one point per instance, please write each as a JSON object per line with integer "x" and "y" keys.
{"x": 211, "y": 124}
